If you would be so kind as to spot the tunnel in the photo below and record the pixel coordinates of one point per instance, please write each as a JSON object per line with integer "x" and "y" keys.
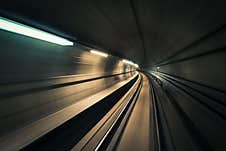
{"x": 113, "y": 75}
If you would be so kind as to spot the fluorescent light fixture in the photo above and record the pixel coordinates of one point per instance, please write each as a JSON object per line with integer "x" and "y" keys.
{"x": 130, "y": 63}
{"x": 15, "y": 27}
{"x": 136, "y": 65}
{"x": 127, "y": 62}
{"x": 99, "y": 53}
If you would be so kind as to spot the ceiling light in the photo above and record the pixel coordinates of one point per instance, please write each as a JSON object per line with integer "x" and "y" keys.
{"x": 127, "y": 62}
{"x": 99, "y": 53}
{"x": 130, "y": 63}
{"x": 136, "y": 65}
{"x": 15, "y": 27}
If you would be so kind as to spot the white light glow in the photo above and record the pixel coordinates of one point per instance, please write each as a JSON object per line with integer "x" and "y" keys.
{"x": 130, "y": 63}
{"x": 158, "y": 67}
{"x": 136, "y": 65}
{"x": 99, "y": 53}
{"x": 12, "y": 26}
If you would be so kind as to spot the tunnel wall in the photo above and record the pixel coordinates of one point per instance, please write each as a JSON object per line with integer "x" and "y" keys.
{"x": 38, "y": 78}
{"x": 26, "y": 59}
{"x": 190, "y": 87}
{"x": 203, "y": 61}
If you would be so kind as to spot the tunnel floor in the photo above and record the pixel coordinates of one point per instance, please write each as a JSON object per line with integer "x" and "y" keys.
{"x": 140, "y": 112}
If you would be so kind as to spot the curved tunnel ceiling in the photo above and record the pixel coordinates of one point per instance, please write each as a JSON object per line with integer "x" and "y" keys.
{"x": 146, "y": 31}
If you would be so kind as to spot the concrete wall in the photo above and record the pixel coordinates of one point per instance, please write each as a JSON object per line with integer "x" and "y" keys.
{"x": 38, "y": 78}
{"x": 203, "y": 61}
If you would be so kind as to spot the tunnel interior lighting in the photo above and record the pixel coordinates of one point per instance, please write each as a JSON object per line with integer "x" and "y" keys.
{"x": 130, "y": 63}
{"x": 99, "y": 53}
{"x": 136, "y": 65}
{"x": 15, "y": 27}
{"x": 127, "y": 62}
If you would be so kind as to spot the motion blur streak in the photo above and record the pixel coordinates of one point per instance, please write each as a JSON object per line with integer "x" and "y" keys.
{"x": 15, "y": 27}
{"x": 142, "y": 75}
